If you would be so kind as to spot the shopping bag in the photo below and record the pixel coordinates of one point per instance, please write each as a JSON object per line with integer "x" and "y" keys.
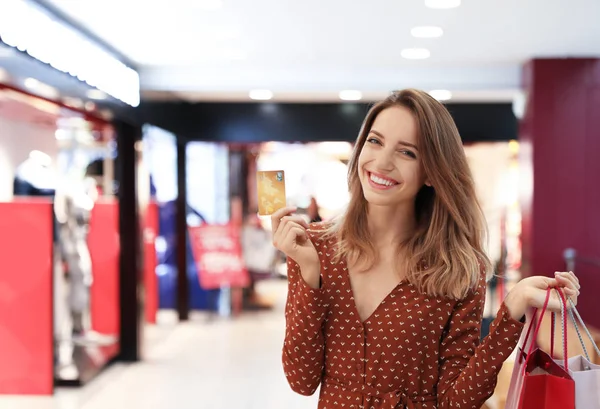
{"x": 587, "y": 382}
{"x": 538, "y": 382}
{"x": 585, "y": 374}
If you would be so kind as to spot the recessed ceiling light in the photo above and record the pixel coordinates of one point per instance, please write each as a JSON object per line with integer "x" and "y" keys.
{"x": 40, "y": 88}
{"x": 32, "y": 83}
{"x": 207, "y": 4}
{"x": 427, "y": 32}
{"x": 261, "y": 94}
{"x": 96, "y": 94}
{"x": 441, "y": 94}
{"x": 73, "y": 102}
{"x": 415, "y": 53}
{"x": 350, "y": 95}
{"x": 442, "y": 4}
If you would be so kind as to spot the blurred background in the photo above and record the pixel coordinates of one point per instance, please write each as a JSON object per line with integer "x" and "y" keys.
{"x": 135, "y": 269}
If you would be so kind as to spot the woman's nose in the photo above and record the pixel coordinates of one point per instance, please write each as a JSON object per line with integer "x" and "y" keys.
{"x": 384, "y": 160}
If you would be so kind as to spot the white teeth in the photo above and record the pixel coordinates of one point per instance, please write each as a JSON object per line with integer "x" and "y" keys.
{"x": 381, "y": 181}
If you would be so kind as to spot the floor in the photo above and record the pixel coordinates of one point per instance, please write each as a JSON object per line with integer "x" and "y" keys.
{"x": 209, "y": 364}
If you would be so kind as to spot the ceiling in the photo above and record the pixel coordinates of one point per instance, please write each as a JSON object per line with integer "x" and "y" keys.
{"x": 219, "y": 50}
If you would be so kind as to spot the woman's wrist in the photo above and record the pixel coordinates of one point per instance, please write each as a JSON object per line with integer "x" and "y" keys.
{"x": 311, "y": 273}
{"x": 517, "y": 302}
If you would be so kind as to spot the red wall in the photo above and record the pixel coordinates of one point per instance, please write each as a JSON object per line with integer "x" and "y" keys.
{"x": 103, "y": 242}
{"x": 560, "y": 162}
{"x": 26, "y": 351}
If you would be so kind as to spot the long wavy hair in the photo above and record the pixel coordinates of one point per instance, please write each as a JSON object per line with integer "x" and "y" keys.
{"x": 445, "y": 256}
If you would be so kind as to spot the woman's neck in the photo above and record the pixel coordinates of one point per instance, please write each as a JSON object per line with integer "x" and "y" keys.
{"x": 391, "y": 224}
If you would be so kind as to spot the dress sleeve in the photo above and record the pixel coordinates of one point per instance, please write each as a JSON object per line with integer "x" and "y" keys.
{"x": 304, "y": 345}
{"x": 469, "y": 369}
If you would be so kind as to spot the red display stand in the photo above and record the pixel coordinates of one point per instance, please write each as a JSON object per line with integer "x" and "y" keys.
{"x": 150, "y": 262}
{"x": 26, "y": 353}
{"x": 103, "y": 242}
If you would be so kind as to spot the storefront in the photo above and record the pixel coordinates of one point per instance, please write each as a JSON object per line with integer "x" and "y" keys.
{"x": 70, "y": 219}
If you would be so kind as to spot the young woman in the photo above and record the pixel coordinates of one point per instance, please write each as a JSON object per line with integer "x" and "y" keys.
{"x": 385, "y": 304}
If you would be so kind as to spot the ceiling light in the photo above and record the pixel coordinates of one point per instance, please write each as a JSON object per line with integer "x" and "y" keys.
{"x": 40, "y": 88}
{"x": 415, "y": 53}
{"x": 427, "y": 32}
{"x": 350, "y": 95}
{"x": 73, "y": 102}
{"x": 32, "y": 83}
{"x": 261, "y": 94}
{"x": 442, "y": 4}
{"x": 207, "y": 4}
{"x": 441, "y": 94}
{"x": 96, "y": 94}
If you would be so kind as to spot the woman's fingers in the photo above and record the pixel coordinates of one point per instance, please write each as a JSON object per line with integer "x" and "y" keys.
{"x": 282, "y": 239}
{"x": 293, "y": 233}
{"x": 296, "y": 219}
{"x": 278, "y": 215}
{"x": 574, "y": 277}
{"x": 568, "y": 281}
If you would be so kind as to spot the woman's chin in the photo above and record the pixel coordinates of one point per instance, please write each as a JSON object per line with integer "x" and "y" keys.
{"x": 375, "y": 199}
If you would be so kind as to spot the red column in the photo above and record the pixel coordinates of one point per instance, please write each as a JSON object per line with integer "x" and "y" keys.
{"x": 560, "y": 163}
{"x": 150, "y": 262}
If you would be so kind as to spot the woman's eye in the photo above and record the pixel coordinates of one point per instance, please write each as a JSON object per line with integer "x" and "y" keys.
{"x": 408, "y": 153}
{"x": 374, "y": 140}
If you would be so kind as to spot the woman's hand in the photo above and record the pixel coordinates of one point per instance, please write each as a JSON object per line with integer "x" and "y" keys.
{"x": 531, "y": 293}
{"x": 290, "y": 236}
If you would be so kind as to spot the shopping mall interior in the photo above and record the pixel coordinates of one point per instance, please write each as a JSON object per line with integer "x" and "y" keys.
{"x": 138, "y": 267}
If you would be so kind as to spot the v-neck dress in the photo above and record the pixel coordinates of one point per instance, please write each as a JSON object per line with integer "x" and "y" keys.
{"x": 414, "y": 351}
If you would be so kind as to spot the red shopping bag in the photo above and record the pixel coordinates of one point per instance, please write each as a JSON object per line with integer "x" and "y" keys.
{"x": 537, "y": 381}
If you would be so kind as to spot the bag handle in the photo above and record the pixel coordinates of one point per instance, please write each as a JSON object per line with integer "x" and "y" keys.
{"x": 574, "y": 315}
{"x": 563, "y": 317}
{"x": 537, "y": 330}
{"x": 532, "y": 324}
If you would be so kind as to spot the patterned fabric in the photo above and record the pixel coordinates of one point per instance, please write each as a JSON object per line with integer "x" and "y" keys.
{"x": 414, "y": 351}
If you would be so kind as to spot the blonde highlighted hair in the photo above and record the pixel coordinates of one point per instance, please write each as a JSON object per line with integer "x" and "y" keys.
{"x": 445, "y": 257}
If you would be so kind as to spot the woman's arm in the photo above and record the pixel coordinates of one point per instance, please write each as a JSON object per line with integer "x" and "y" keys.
{"x": 304, "y": 345}
{"x": 469, "y": 370}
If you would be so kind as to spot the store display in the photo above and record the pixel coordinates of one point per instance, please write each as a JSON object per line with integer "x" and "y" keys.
{"x": 207, "y": 202}
{"x": 75, "y": 200}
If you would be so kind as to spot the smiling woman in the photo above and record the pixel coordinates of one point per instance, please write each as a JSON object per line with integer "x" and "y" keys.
{"x": 410, "y": 141}
{"x": 385, "y": 305}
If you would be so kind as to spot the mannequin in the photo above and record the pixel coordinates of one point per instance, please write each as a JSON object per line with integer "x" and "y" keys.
{"x": 73, "y": 204}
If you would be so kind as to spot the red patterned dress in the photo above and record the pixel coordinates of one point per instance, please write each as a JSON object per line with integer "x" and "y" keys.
{"x": 414, "y": 351}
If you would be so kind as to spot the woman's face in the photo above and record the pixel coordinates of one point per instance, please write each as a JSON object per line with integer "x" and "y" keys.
{"x": 389, "y": 165}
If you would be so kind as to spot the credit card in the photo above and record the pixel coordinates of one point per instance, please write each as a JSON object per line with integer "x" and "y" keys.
{"x": 271, "y": 191}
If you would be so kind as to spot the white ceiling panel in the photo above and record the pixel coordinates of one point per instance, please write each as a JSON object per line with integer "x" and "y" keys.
{"x": 203, "y": 47}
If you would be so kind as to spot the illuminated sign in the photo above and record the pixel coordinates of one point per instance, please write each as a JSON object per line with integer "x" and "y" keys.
{"x": 33, "y": 30}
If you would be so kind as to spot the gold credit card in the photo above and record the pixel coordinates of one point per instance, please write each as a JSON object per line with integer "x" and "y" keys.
{"x": 271, "y": 191}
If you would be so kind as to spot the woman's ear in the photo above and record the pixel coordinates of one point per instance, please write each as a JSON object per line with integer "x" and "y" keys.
{"x": 427, "y": 183}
